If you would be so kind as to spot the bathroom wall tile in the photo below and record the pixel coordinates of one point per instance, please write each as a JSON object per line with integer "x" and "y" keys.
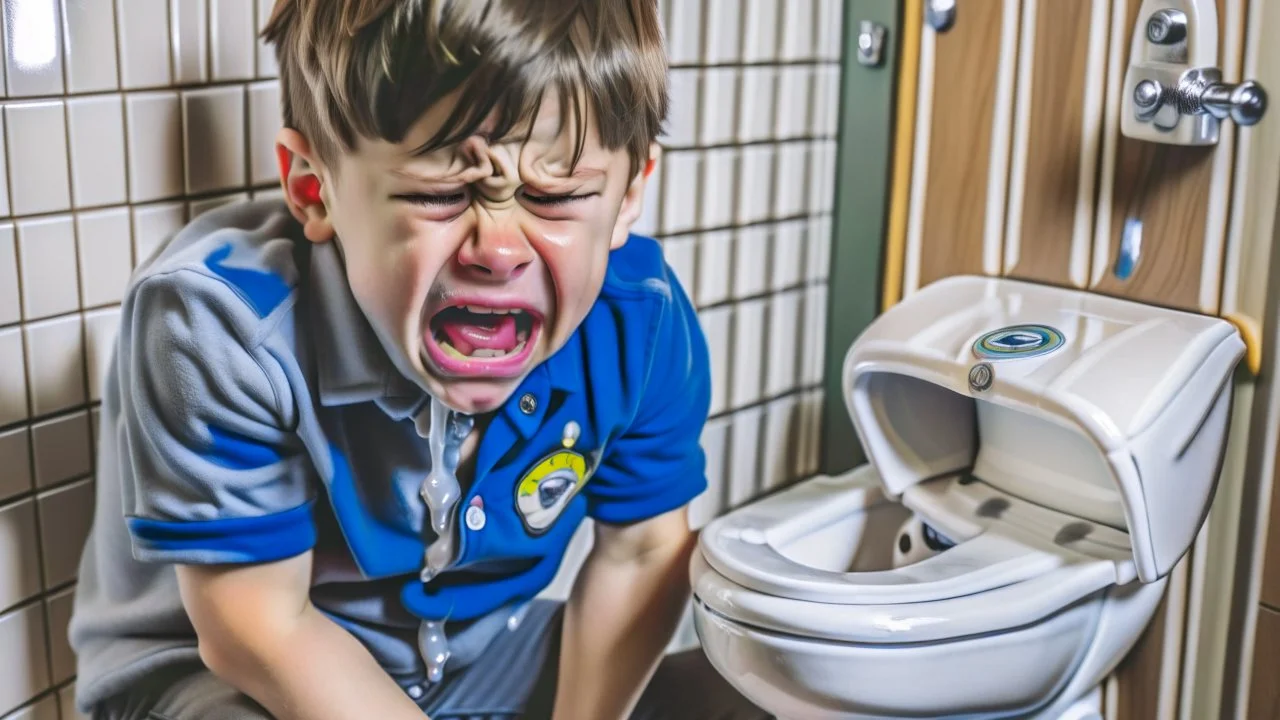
{"x": 715, "y": 250}
{"x": 145, "y": 59}
{"x": 681, "y": 254}
{"x": 231, "y": 37}
{"x": 822, "y": 176}
{"x": 756, "y": 117}
{"x": 755, "y": 176}
{"x": 10, "y": 299}
{"x": 58, "y": 609}
{"x": 795, "y": 88}
{"x": 813, "y": 346}
{"x": 24, "y": 655}
{"x": 266, "y": 55}
{"x": 154, "y": 225}
{"x": 723, "y": 40}
{"x": 781, "y": 442}
{"x": 787, "y": 264}
{"x": 719, "y": 97}
{"x": 680, "y": 192}
{"x": 760, "y": 31}
{"x": 797, "y": 30}
{"x": 61, "y": 449}
{"x": 215, "y": 142}
{"x": 45, "y": 709}
{"x": 830, "y": 29}
{"x": 97, "y": 150}
{"x": 651, "y": 206}
{"x": 55, "y": 364}
{"x": 807, "y": 459}
{"x": 100, "y": 330}
{"x": 818, "y": 254}
{"x": 826, "y": 106}
{"x": 682, "y": 117}
{"x": 4, "y": 173}
{"x": 19, "y": 573}
{"x": 187, "y": 40}
{"x": 37, "y": 138}
{"x": 715, "y": 444}
{"x": 264, "y": 124}
{"x": 199, "y": 207}
{"x": 745, "y": 433}
{"x": 94, "y": 417}
{"x": 715, "y": 326}
{"x": 65, "y": 517}
{"x": 90, "y": 46}
{"x": 15, "y": 458}
{"x": 154, "y": 120}
{"x": 275, "y": 193}
{"x": 780, "y": 366}
{"x": 719, "y": 178}
{"x": 67, "y": 704}
{"x": 750, "y": 262}
{"x": 33, "y": 47}
{"x": 50, "y": 279}
{"x": 105, "y": 243}
{"x": 13, "y": 381}
{"x": 684, "y": 33}
{"x": 748, "y": 352}
{"x": 792, "y": 179}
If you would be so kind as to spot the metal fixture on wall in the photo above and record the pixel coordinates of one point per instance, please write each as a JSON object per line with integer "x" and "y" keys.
{"x": 940, "y": 14}
{"x": 870, "y": 43}
{"x": 1173, "y": 90}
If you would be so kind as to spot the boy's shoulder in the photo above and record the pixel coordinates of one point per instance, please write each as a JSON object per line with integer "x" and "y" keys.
{"x": 638, "y": 268}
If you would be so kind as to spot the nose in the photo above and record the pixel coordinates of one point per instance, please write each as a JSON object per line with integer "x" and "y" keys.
{"x": 495, "y": 252}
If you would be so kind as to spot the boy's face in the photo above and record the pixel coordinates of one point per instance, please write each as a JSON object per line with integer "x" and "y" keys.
{"x": 476, "y": 262}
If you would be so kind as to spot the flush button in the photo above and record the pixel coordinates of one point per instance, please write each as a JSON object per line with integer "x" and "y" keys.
{"x": 528, "y": 403}
{"x": 475, "y": 518}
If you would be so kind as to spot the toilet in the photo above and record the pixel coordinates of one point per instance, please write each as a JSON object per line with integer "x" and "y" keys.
{"x": 1039, "y": 459}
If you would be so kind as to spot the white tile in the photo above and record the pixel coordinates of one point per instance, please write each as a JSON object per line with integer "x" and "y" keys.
{"x": 714, "y": 252}
{"x": 13, "y": 381}
{"x": 100, "y": 329}
{"x": 824, "y": 159}
{"x": 724, "y": 31}
{"x": 154, "y": 120}
{"x": 680, "y": 252}
{"x": 215, "y": 145}
{"x": 200, "y": 207}
{"x": 791, "y": 182}
{"x": 50, "y": 279}
{"x": 15, "y": 458}
{"x": 682, "y": 116}
{"x": 789, "y": 246}
{"x": 719, "y": 178}
{"x": 680, "y": 192}
{"x": 715, "y": 326}
{"x": 97, "y": 150}
{"x": 4, "y": 174}
{"x": 755, "y": 183}
{"x": 650, "y": 209}
{"x": 826, "y": 106}
{"x": 231, "y": 35}
{"x": 24, "y": 655}
{"x": 684, "y": 33}
{"x": 784, "y": 323}
{"x": 61, "y": 449}
{"x": 187, "y": 35}
{"x": 795, "y": 83}
{"x": 61, "y": 657}
{"x": 10, "y": 302}
{"x": 744, "y": 455}
{"x": 810, "y": 441}
{"x": 19, "y": 556}
{"x": 813, "y": 346}
{"x": 106, "y": 255}
{"x": 715, "y": 445}
{"x": 760, "y": 32}
{"x": 266, "y": 54}
{"x": 55, "y": 364}
{"x": 830, "y": 29}
{"x": 797, "y": 30}
{"x": 818, "y": 252}
{"x": 756, "y": 116}
{"x": 750, "y": 262}
{"x": 718, "y": 117}
{"x": 781, "y": 442}
{"x": 649, "y": 215}
{"x": 143, "y": 26}
{"x": 90, "y": 46}
{"x": 46, "y": 709}
{"x": 748, "y": 352}
{"x": 67, "y": 703}
{"x": 264, "y": 124}
{"x": 94, "y": 416}
{"x": 63, "y": 541}
{"x": 37, "y": 138}
{"x": 33, "y": 47}
{"x": 154, "y": 225}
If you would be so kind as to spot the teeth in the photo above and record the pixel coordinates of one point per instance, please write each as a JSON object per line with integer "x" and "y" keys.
{"x": 522, "y": 335}
{"x": 451, "y": 350}
{"x": 481, "y": 310}
{"x": 487, "y": 353}
{"x": 478, "y": 310}
{"x": 480, "y": 353}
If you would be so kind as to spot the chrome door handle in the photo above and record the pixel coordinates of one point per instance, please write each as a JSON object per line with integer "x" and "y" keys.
{"x": 940, "y": 14}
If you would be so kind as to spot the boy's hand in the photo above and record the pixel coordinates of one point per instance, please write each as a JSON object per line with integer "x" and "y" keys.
{"x": 260, "y": 633}
{"x": 621, "y": 614}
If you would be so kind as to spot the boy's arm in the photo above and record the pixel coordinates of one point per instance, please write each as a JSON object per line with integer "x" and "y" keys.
{"x": 259, "y": 632}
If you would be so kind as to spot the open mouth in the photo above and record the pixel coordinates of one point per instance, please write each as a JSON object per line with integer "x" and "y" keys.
{"x": 473, "y": 339}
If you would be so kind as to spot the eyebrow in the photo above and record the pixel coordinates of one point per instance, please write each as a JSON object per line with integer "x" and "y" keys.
{"x": 582, "y": 172}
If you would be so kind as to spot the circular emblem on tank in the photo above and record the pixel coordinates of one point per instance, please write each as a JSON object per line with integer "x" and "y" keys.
{"x": 1017, "y": 341}
{"x": 980, "y": 377}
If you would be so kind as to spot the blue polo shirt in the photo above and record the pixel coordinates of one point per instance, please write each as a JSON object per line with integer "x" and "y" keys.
{"x": 250, "y": 414}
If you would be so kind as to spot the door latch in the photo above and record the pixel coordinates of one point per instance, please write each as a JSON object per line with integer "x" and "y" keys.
{"x": 870, "y": 43}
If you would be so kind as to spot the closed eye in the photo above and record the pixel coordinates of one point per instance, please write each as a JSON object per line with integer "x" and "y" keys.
{"x": 432, "y": 200}
{"x": 553, "y": 200}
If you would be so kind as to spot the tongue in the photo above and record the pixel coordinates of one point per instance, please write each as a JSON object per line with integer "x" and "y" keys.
{"x": 497, "y": 332}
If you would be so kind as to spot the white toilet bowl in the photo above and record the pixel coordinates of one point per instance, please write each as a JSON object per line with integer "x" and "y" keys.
{"x": 1043, "y": 503}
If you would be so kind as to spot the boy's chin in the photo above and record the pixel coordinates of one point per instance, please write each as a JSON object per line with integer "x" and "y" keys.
{"x": 474, "y": 396}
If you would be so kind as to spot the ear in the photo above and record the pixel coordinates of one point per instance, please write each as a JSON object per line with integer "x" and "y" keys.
{"x": 633, "y": 199}
{"x": 302, "y": 178}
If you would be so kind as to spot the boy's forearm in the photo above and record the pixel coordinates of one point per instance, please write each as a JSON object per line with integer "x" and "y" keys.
{"x": 618, "y": 621}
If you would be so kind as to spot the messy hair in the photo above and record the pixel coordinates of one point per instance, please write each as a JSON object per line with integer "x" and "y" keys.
{"x": 372, "y": 68}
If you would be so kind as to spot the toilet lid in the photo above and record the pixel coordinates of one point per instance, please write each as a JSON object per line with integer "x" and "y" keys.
{"x": 1108, "y": 410}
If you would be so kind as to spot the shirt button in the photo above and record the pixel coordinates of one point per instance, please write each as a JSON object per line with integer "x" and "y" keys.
{"x": 415, "y": 692}
{"x": 528, "y": 403}
{"x": 475, "y": 517}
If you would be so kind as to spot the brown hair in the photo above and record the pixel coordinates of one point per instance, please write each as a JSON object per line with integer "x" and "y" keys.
{"x": 372, "y": 68}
